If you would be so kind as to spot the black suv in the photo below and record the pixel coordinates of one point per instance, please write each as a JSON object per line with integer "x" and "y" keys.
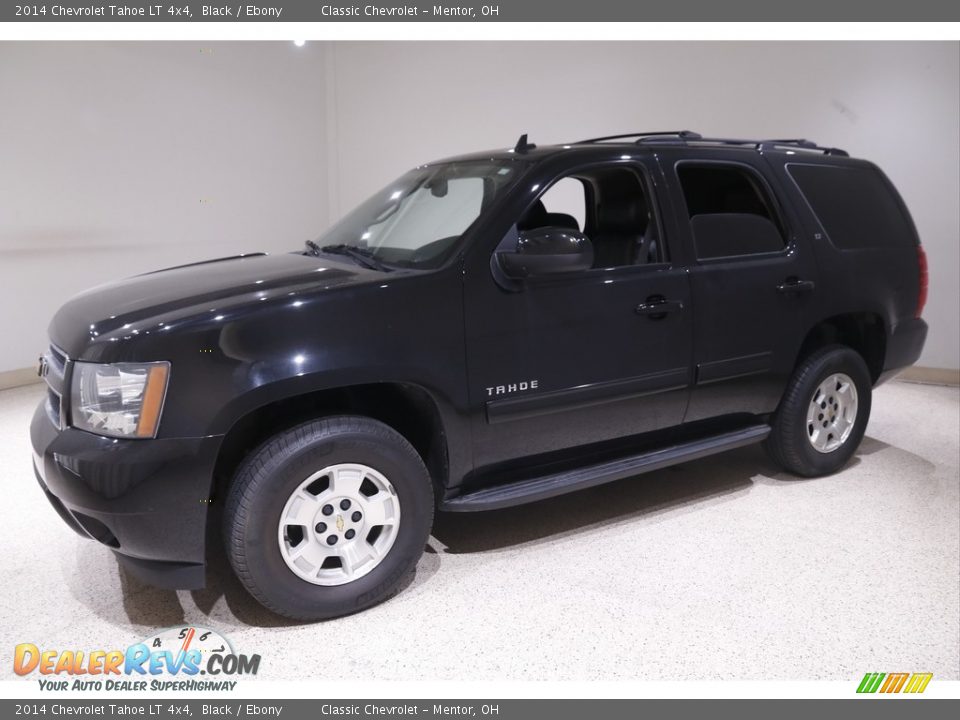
{"x": 488, "y": 330}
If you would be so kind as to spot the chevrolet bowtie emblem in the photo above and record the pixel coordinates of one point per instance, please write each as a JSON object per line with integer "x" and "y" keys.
{"x": 340, "y": 523}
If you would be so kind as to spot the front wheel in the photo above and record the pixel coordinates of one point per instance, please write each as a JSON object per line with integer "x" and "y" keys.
{"x": 328, "y": 518}
{"x": 823, "y": 414}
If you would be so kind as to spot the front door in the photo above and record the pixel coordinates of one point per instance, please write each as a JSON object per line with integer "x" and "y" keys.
{"x": 585, "y": 356}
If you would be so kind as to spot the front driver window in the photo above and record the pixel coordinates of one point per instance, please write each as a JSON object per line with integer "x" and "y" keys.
{"x": 567, "y": 198}
{"x": 610, "y": 206}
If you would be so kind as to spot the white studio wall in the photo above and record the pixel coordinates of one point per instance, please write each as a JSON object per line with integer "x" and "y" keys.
{"x": 123, "y": 157}
{"x": 119, "y": 158}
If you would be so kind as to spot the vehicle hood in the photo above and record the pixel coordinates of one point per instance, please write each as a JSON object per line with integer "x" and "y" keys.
{"x": 157, "y": 298}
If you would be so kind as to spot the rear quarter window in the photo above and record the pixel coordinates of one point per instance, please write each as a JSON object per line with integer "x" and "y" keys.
{"x": 856, "y": 206}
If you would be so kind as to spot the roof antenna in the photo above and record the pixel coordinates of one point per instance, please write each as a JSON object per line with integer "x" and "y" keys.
{"x": 522, "y": 145}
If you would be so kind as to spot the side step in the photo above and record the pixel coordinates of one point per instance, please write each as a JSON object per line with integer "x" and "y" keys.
{"x": 545, "y": 486}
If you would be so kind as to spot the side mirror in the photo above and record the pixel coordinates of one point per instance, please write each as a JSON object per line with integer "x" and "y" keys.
{"x": 545, "y": 251}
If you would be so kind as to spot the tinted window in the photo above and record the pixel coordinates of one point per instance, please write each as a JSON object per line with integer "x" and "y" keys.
{"x": 611, "y": 206}
{"x": 567, "y": 197}
{"x": 711, "y": 189}
{"x": 730, "y": 211}
{"x": 856, "y": 206}
{"x": 418, "y": 220}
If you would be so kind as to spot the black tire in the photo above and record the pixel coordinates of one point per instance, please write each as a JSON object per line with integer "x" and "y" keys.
{"x": 788, "y": 443}
{"x": 268, "y": 477}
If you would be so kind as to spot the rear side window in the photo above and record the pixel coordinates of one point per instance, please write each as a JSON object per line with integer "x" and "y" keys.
{"x": 730, "y": 211}
{"x": 856, "y": 206}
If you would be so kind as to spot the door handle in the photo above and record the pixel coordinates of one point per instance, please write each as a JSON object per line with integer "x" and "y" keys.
{"x": 796, "y": 285}
{"x": 656, "y": 307}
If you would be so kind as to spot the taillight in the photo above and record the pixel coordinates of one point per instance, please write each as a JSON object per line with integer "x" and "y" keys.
{"x": 924, "y": 280}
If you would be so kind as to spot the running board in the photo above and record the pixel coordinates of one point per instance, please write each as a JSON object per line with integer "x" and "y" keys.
{"x": 545, "y": 486}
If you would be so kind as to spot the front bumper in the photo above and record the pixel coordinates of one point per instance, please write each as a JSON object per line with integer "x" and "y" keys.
{"x": 145, "y": 499}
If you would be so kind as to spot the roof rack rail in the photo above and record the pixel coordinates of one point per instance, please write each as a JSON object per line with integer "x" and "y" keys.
{"x": 802, "y": 144}
{"x": 688, "y": 137}
{"x": 759, "y": 145}
{"x": 700, "y": 140}
{"x": 680, "y": 134}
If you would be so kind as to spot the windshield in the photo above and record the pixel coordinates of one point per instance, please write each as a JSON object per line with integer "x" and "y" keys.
{"x": 417, "y": 220}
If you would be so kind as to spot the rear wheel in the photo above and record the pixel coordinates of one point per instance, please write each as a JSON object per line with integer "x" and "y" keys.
{"x": 823, "y": 414}
{"x": 328, "y": 518}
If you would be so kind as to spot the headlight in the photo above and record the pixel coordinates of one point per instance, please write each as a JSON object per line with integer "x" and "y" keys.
{"x": 119, "y": 400}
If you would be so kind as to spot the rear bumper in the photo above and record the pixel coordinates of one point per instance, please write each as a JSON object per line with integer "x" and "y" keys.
{"x": 147, "y": 500}
{"x": 904, "y": 346}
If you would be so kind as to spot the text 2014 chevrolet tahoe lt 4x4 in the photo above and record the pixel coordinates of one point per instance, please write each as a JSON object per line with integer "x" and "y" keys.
{"x": 488, "y": 330}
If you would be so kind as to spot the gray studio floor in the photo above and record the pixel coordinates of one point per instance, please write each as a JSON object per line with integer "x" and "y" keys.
{"x": 719, "y": 569}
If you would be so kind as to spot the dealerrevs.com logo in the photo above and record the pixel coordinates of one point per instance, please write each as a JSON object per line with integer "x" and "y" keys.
{"x": 173, "y": 659}
{"x": 889, "y": 683}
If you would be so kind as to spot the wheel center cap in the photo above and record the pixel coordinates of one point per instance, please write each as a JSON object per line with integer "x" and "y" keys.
{"x": 340, "y": 523}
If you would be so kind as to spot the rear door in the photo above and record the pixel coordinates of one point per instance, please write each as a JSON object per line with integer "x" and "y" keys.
{"x": 752, "y": 282}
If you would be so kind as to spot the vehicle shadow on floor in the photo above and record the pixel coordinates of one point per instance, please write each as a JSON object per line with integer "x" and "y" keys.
{"x": 681, "y": 488}
{"x": 650, "y": 497}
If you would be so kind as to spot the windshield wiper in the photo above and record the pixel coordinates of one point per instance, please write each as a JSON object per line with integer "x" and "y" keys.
{"x": 361, "y": 256}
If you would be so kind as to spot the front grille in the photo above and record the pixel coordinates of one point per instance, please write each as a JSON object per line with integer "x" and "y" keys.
{"x": 59, "y": 357}
{"x": 57, "y": 364}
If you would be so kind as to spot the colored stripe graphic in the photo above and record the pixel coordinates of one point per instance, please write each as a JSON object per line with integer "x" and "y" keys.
{"x": 870, "y": 682}
{"x": 918, "y": 683}
{"x": 894, "y": 682}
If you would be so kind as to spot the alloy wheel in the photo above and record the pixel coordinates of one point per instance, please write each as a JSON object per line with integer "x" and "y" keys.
{"x": 832, "y": 413}
{"x": 339, "y": 524}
